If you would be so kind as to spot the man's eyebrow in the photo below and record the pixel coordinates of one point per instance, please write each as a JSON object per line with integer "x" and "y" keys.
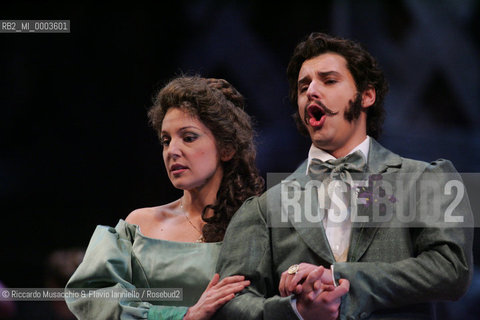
{"x": 305, "y": 79}
{"x": 322, "y": 75}
{"x": 328, "y": 73}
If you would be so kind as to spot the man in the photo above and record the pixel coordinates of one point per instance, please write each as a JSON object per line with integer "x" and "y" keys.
{"x": 392, "y": 253}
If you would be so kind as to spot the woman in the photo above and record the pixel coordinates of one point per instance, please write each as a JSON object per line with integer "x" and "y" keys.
{"x": 208, "y": 152}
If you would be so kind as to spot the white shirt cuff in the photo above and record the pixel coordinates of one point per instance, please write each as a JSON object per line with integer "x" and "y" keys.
{"x": 293, "y": 301}
{"x": 333, "y": 276}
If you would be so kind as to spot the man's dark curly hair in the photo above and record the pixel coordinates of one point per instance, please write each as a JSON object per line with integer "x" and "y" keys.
{"x": 363, "y": 67}
{"x": 219, "y": 106}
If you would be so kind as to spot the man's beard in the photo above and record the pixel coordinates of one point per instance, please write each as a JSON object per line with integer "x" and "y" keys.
{"x": 354, "y": 109}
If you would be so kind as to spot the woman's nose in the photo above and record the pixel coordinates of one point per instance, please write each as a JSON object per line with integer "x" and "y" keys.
{"x": 174, "y": 148}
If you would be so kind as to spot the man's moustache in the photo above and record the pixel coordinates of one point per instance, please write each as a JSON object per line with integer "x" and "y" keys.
{"x": 326, "y": 110}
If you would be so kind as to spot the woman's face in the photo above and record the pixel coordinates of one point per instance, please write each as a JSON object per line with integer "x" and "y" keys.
{"x": 190, "y": 152}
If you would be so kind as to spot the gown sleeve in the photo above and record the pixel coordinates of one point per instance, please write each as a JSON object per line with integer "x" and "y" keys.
{"x": 107, "y": 267}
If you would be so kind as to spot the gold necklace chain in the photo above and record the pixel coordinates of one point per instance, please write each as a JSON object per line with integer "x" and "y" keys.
{"x": 188, "y": 219}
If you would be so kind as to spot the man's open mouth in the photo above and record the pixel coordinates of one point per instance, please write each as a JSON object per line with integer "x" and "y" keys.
{"x": 316, "y": 115}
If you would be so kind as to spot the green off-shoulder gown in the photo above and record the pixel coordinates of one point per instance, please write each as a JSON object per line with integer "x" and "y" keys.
{"x": 121, "y": 258}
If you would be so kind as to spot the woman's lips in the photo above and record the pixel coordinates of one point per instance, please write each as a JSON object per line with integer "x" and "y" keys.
{"x": 176, "y": 169}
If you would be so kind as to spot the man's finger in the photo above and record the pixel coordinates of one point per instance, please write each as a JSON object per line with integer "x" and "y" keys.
{"x": 338, "y": 292}
{"x": 308, "y": 284}
{"x": 281, "y": 285}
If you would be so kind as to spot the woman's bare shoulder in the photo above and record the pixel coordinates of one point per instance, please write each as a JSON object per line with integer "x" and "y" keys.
{"x": 153, "y": 221}
{"x": 150, "y": 214}
{"x": 139, "y": 215}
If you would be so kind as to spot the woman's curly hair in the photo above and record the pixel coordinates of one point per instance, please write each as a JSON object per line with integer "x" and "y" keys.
{"x": 219, "y": 106}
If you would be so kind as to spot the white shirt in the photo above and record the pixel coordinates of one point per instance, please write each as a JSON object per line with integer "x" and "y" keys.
{"x": 338, "y": 235}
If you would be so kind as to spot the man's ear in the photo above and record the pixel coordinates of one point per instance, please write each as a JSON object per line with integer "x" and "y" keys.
{"x": 227, "y": 153}
{"x": 368, "y": 97}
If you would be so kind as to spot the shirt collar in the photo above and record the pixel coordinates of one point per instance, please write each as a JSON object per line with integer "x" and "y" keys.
{"x": 317, "y": 153}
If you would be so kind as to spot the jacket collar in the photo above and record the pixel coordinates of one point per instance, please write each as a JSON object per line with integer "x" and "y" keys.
{"x": 380, "y": 160}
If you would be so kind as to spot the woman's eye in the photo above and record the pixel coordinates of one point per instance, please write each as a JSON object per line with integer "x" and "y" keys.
{"x": 165, "y": 141}
{"x": 190, "y": 138}
{"x": 330, "y": 81}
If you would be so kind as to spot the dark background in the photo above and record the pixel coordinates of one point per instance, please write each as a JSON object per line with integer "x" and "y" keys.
{"x": 75, "y": 146}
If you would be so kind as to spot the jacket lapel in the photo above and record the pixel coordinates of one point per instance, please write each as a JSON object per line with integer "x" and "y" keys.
{"x": 312, "y": 233}
{"x": 380, "y": 160}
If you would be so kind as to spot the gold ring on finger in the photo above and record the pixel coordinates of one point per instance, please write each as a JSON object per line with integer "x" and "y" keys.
{"x": 293, "y": 269}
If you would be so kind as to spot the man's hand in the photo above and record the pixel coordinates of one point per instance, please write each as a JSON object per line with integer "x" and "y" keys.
{"x": 322, "y": 303}
{"x": 292, "y": 283}
{"x": 317, "y": 297}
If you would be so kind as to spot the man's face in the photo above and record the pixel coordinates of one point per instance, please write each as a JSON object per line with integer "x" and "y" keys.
{"x": 326, "y": 91}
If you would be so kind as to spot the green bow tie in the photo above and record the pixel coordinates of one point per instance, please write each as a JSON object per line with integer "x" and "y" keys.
{"x": 337, "y": 168}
